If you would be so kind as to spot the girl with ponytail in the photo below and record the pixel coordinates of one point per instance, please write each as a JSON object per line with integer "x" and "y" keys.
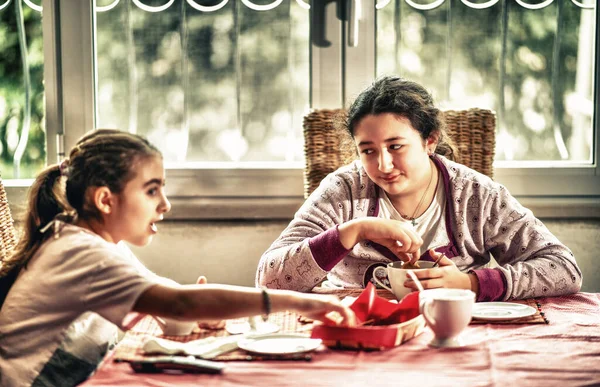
{"x": 75, "y": 281}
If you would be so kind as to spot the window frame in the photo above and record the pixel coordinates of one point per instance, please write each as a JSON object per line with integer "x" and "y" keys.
{"x": 266, "y": 191}
{"x": 533, "y": 184}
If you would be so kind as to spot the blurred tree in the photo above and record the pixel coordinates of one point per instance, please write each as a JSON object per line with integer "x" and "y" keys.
{"x": 12, "y": 91}
{"x": 459, "y": 51}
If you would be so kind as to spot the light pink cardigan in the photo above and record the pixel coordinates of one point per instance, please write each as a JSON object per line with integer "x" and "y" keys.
{"x": 482, "y": 218}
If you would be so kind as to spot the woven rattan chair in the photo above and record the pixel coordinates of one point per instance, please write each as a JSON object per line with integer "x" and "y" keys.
{"x": 8, "y": 239}
{"x": 327, "y": 147}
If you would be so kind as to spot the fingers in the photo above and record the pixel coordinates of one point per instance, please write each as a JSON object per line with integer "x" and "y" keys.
{"x": 429, "y": 283}
{"x": 445, "y": 261}
{"x": 348, "y": 317}
{"x": 341, "y": 316}
{"x": 329, "y": 309}
{"x": 409, "y": 241}
{"x": 445, "y": 275}
{"x": 202, "y": 280}
{"x": 398, "y": 237}
{"x": 399, "y": 250}
{"x": 440, "y": 258}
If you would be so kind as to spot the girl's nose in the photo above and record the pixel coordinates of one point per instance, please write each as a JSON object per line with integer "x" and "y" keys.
{"x": 385, "y": 161}
{"x": 165, "y": 205}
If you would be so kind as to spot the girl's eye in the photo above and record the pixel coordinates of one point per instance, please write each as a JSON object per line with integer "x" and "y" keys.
{"x": 152, "y": 191}
{"x": 395, "y": 146}
{"x": 367, "y": 151}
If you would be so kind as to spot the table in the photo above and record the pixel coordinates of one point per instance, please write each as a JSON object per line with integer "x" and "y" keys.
{"x": 564, "y": 352}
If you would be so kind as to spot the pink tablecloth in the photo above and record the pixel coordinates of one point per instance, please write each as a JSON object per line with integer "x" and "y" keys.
{"x": 565, "y": 352}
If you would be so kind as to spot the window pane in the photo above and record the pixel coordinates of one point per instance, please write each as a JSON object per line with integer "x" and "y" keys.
{"x": 22, "y": 132}
{"x": 533, "y": 67}
{"x": 230, "y": 84}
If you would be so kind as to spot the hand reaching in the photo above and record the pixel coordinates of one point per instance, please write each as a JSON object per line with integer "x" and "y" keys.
{"x": 328, "y": 309}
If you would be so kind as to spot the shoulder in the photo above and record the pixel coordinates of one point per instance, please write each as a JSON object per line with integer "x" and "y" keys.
{"x": 354, "y": 177}
{"x": 473, "y": 192}
{"x": 463, "y": 180}
{"x": 347, "y": 188}
{"x": 73, "y": 247}
{"x": 460, "y": 172}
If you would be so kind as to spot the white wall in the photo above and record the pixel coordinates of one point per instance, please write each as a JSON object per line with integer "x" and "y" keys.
{"x": 228, "y": 251}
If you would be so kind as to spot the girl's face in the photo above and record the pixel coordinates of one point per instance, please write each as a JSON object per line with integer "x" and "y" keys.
{"x": 393, "y": 153}
{"x": 141, "y": 204}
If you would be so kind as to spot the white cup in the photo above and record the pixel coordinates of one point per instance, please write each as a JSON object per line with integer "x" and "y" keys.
{"x": 447, "y": 313}
{"x": 172, "y": 327}
{"x": 396, "y": 277}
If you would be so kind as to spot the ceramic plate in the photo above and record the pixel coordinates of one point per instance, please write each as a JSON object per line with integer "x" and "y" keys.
{"x": 279, "y": 344}
{"x": 501, "y": 310}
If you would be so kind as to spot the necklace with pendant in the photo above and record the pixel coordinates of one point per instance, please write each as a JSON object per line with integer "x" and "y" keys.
{"x": 413, "y": 218}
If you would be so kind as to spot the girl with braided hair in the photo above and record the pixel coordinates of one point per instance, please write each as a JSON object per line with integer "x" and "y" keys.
{"x": 71, "y": 281}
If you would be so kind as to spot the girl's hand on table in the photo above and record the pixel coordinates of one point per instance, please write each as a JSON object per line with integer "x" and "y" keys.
{"x": 209, "y": 324}
{"x": 446, "y": 275}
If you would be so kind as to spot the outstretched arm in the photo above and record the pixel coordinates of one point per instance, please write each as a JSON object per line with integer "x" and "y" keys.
{"x": 215, "y": 302}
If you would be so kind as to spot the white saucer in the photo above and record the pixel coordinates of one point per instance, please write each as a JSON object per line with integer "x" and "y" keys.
{"x": 279, "y": 344}
{"x": 496, "y": 311}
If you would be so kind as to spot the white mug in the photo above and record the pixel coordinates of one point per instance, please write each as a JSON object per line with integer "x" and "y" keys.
{"x": 172, "y": 327}
{"x": 396, "y": 277}
{"x": 447, "y": 313}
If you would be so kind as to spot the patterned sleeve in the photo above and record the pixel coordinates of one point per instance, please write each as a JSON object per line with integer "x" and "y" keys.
{"x": 309, "y": 247}
{"x": 533, "y": 261}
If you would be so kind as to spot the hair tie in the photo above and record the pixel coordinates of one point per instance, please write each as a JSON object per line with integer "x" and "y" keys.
{"x": 64, "y": 168}
{"x": 54, "y": 223}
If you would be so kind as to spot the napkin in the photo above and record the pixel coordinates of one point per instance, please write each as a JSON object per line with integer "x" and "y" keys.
{"x": 371, "y": 307}
{"x": 207, "y": 348}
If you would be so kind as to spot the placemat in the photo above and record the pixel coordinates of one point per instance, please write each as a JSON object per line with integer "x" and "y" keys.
{"x": 538, "y": 318}
{"x": 130, "y": 347}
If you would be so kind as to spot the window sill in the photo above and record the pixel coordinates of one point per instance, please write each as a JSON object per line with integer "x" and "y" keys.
{"x": 284, "y": 207}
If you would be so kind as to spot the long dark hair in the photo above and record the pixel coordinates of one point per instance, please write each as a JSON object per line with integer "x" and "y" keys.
{"x": 101, "y": 158}
{"x": 407, "y": 99}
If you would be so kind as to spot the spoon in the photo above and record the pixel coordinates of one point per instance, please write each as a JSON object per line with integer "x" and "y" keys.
{"x": 413, "y": 276}
{"x": 437, "y": 261}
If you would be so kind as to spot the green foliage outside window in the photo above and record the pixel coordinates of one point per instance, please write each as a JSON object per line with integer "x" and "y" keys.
{"x": 14, "y": 20}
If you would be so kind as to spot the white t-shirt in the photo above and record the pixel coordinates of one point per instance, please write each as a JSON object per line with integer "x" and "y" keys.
{"x": 62, "y": 312}
{"x": 431, "y": 225}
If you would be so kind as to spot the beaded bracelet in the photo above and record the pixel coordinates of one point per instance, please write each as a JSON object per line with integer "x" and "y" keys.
{"x": 266, "y": 304}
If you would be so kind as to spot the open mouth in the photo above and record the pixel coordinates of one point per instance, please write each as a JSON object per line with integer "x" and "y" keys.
{"x": 153, "y": 227}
